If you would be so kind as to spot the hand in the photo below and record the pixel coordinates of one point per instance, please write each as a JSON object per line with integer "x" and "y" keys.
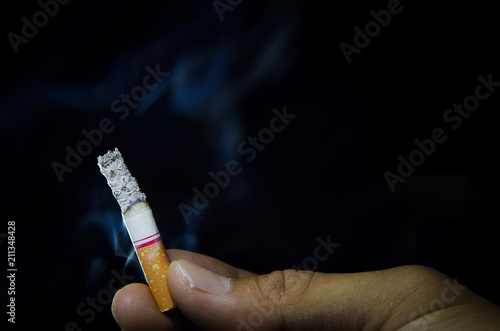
{"x": 217, "y": 296}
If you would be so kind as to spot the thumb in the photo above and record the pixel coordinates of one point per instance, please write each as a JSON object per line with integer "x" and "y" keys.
{"x": 403, "y": 297}
{"x": 289, "y": 299}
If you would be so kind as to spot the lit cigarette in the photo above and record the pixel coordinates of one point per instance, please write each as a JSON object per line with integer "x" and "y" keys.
{"x": 140, "y": 224}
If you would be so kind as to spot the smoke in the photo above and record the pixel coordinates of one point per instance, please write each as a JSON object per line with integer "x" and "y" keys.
{"x": 213, "y": 65}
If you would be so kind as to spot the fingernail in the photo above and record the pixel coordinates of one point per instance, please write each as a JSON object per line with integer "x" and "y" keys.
{"x": 203, "y": 279}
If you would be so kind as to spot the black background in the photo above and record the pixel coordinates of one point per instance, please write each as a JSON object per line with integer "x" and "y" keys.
{"x": 323, "y": 176}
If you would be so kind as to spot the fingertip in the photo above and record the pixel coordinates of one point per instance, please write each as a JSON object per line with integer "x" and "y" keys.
{"x": 134, "y": 308}
{"x": 129, "y": 303}
{"x": 117, "y": 308}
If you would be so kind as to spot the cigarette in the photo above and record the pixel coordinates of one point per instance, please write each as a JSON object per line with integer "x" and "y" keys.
{"x": 141, "y": 226}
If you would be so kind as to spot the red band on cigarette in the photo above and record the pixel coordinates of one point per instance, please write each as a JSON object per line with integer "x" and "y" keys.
{"x": 148, "y": 243}
{"x": 146, "y": 237}
{"x": 149, "y": 240}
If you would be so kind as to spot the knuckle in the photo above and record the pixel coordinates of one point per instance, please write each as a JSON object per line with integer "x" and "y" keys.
{"x": 284, "y": 287}
{"x": 419, "y": 273}
{"x": 420, "y": 280}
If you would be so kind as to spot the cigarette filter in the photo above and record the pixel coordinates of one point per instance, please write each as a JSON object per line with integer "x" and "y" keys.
{"x": 140, "y": 224}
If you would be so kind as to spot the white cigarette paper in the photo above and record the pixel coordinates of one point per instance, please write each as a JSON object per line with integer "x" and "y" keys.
{"x": 140, "y": 224}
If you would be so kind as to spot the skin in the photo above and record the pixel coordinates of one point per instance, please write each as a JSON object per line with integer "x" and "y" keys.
{"x": 402, "y": 298}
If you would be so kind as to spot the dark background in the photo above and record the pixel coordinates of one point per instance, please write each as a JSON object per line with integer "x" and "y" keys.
{"x": 322, "y": 176}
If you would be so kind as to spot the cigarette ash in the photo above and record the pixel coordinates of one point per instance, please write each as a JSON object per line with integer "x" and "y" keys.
{"x": 124, "y": 187}
{"x": 104, "y": 239}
